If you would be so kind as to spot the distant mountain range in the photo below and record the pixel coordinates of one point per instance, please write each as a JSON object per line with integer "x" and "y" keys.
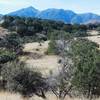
{"x": 66, "y": 16}
{"x": 0, "y": 15}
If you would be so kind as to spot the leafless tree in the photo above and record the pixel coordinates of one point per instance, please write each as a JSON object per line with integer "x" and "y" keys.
{"x": 61, "y": 84}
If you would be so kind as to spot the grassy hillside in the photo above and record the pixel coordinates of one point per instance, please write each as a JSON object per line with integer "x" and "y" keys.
{"x": 42, "y": 59}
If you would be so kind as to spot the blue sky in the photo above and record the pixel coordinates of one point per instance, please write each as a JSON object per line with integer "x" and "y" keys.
{"x": 79, "y": 6}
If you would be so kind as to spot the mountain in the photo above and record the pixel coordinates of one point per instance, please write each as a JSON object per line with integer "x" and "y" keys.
{"x": 66, "y": 16}
{"x": 93, "y": 22}
{"x": 0, "y": 16}
{"x": 57, "y": 14}
{"x": 84, "y": 18}
{"x": 25, "y": 12}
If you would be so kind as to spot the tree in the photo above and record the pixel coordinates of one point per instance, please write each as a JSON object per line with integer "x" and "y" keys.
{"x": 52, "y": 49}
{"x": 67, "y": 28}
{"x": 98, "y": 29}
{"x": 21, "y": 30}
{"x": 60, "y": 84}
{"x": 6, "y": 20}
{"x": 86, "y": 58}
{"x": 6, "y": 56}
{"x": 80, "y": 33}
{"x": 12, "y": 42}
{"x": 10, "y": 47}
{"x": 21, "y": 79}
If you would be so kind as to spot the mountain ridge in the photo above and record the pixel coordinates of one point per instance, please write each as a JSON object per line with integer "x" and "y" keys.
{"x": 25, "y": 12}
{"x": 67, "y": 16}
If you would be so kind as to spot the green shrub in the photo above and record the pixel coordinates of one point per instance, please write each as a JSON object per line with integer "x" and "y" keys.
{"x": 86, "y": 59}
{"x": 52, "y": 49}
{"x": 23, "y": 80}
{"x": 6, "y": 56}
{"x": 11, "y": 42}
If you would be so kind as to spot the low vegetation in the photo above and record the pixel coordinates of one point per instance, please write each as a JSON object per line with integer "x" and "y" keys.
{"x": 79, "y": 59}
{"x": 19, "y": 78}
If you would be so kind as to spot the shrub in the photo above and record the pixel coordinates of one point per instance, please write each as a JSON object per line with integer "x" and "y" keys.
{"x": 6, "y": 56}
{"x": 98, "y": 28}
{"x": 86, "y": 59}
{"x": 52, "y": 49}
{"x": 23, "y": 80}
{"x": 80, "y": 33}
{"x": 11, "y": 42}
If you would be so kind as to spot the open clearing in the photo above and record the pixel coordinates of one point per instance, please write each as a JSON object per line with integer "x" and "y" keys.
{"x": 39, "y": 60}
{"x": 95, "y": 39}
{"x": 93, "y": 32}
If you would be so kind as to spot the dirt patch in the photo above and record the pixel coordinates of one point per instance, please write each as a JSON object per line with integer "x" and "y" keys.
{"x": 3, "y": 32}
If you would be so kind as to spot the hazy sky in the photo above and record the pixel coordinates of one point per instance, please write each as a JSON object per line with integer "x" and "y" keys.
{"x": 79, "y": 6}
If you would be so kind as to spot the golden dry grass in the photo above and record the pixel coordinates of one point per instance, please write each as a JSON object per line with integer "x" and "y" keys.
{"x": 10, "y": 96}
{"x": 95, "y": 39}
{"x": 93, "y": 32}
{"x": 32, "y": 47}
{"x": 3, "y": 31}
{"x": 45, "y": 63}
{"x": 50, "y": 96}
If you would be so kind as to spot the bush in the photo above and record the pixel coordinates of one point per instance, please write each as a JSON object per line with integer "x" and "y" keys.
{"x": 98, "y": 28}
{"x": 52, "y": 49}
{"x": 11, "y": 42}
{"x": 86, "y": 59}
{"x": 6, "y": 56}
{"x": 80, "y": 33}
{"x": 23, "y": 80}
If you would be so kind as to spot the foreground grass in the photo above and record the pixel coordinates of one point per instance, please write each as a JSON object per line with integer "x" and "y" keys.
{"x": 12, "y": 96}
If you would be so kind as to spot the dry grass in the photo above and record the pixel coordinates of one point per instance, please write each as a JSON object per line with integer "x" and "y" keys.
{"x": 95, "y": 39}
{"x": 93, "y": 32}
{"x": 50, "y": 96}
{"x": 36, "y": 47}
{"x": 10, "y": 96}
{"x": 44, "y": 63}
{"x": 3, "y": 32}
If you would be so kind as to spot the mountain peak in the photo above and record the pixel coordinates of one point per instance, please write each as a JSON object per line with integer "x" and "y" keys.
{"x": 57, "y": 14}
{"x": 67, "y": 16}
{"x": 31, "y": 8}
{"x": 25, "y": 12}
